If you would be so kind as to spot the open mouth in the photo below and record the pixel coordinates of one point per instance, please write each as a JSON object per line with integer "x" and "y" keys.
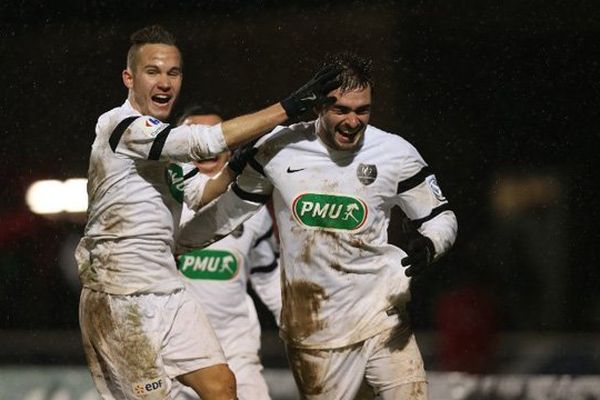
{"x": 161, "y": 98}
{"x": 346, "y": 137}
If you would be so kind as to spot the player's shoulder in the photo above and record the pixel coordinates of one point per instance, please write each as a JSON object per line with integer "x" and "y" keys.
{"x": 144, "y": 124}
{"x": 393, "y": 143}
{"x": 287, "y": 133}
{"x": 285, "y": 137}
{"x": 379, "y": 136}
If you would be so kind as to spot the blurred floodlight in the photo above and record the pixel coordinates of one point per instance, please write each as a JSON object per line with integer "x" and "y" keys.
{"x": 54, "y": 196}
{"x": 75, "y": 192}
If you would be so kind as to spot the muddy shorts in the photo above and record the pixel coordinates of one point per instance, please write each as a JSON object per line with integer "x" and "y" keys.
{"x": 136, "y": 344}
{"x": 389, "y": 362}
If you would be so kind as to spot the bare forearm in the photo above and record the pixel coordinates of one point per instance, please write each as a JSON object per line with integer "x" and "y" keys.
{"x": 216, "y": 186}
{"x": 242, "y": 129}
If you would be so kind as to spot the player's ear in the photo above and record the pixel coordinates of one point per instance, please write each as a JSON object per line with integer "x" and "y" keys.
{"x": 127, "y": 76}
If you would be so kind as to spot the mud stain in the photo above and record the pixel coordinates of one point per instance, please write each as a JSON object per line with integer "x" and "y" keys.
{"x": 329, "y": 234}
{"x": 96, "y": 175}
{"x": 112, "y": 220}
{"x": 358, "y": 243}
{"x": 301, "y": 305}
{"x": 307, "y": 370}
{"x": 135, "y": 354}
{"x": 337, "y": 267}
{"x": 333, "y": 240}
{"x": 331, "y": 186}
{"x": 306, "y": 251}
{"x": 417, "y": 391}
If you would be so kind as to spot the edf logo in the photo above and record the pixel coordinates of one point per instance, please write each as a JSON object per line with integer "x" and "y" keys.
{"x": 146, "y": 388}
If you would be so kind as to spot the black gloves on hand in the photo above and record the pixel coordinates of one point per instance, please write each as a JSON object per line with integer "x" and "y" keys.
{"x": 313, "y": 92}
{"x": 238, "y": 160}
{"x": 420, "y": 252}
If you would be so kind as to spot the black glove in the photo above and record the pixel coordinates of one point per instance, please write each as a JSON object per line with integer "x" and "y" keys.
{"x": 313, "y": 92}
{"x": 238, "y": 160}
{"x": 420, "y": 252}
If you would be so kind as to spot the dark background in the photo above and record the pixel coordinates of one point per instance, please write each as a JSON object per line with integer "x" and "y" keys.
{"x": 495, "y": 95}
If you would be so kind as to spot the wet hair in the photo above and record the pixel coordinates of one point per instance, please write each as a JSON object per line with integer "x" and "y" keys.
{"x": 356, "y": 70}
{"x": 153, "y": 34}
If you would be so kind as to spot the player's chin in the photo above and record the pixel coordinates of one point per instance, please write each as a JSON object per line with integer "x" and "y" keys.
{"x": 347, "y": 142}
{"x": 161, "y": 111}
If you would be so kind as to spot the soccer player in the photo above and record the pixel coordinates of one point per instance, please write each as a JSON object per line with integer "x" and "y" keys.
{"x": 219, "y": 274}
{"x": 139, "y": 325}
{"x": 333, "y": 182}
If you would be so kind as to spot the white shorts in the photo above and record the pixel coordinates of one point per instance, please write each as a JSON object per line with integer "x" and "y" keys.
{"x": 379, "y": 364}
{"x": 136, "y": 344}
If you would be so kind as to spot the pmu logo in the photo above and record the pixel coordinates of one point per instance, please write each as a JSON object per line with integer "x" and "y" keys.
{"x": 219, "y": 265}
{"x": 144, "y": 388}
{"x": 329, "y": 211}
{"x": 174, "y": 176}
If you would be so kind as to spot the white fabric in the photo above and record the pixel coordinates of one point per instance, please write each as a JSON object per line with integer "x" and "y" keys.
{"x": 132, "y": 215}
{"x": 247, "y": 255}
{"x": 338, "y": 283}
{"x": 136, "y": 345}
{"x": 385, "y": 363}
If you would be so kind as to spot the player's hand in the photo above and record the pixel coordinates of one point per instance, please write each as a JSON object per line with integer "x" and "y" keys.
{"x": 314, "y": 92}
{"x": 238, "y": 160}
{"x": 420, "y": 252}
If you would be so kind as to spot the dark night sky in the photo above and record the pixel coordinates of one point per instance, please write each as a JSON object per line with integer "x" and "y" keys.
{"x": 479, "y": 89}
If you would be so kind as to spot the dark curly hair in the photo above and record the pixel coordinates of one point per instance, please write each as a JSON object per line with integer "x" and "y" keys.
{"x": 356, "y": 70}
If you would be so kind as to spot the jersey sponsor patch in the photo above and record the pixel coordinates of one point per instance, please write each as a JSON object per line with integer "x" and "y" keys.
{"x": 366, "y": 173}
{"x": 435, "y": 187}
{"x": 174, "y": 177}
{"x": 152, "y": 387}
{"x": 152, "y": 126}
{"x": 209, "y": 264}
{"x": 330, "y": 211}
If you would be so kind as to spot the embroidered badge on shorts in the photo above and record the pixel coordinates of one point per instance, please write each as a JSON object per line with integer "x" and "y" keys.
{"x": 366, "y": 173}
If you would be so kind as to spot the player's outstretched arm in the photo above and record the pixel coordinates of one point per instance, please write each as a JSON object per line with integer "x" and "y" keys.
{"x": 242, "y": 129}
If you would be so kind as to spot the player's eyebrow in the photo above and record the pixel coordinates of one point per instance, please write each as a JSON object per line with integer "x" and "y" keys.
{"x": 344, "y": 108}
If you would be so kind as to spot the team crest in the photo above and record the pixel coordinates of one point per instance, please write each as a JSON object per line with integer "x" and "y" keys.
{"x": 366, "y": 173}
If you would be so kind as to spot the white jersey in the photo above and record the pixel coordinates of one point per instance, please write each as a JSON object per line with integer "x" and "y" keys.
{"x": 134, "y": 200}
{"x": 219, "y": 274}
{"x": 341, "y": 279}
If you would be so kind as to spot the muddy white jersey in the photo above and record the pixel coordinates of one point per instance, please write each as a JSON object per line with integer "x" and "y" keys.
{"x": 341, "y": 279}
{"x": 135, "y": 201}
{"x": 219, "y": 274}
